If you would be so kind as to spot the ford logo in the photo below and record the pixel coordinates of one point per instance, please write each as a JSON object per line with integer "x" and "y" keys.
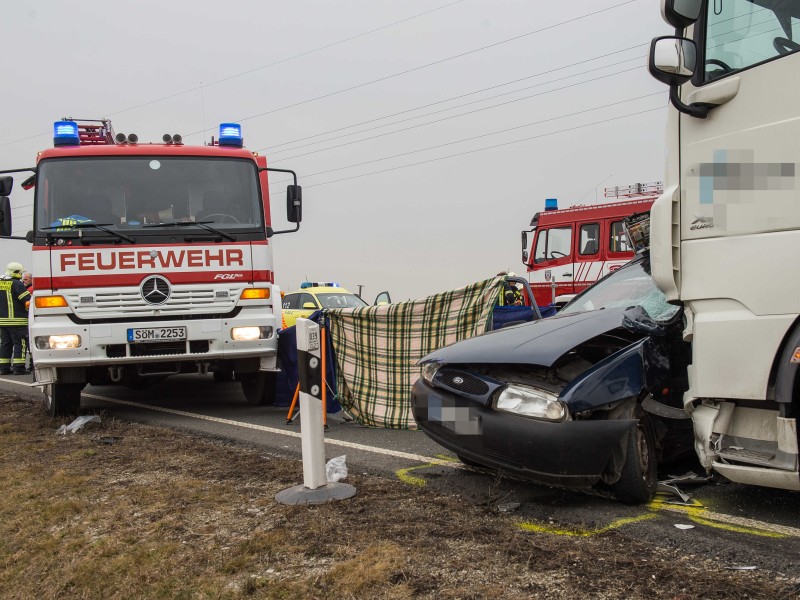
{"x": 458, "y": 380}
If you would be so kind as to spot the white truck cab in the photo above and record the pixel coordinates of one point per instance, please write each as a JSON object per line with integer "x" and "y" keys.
{"x": 725, "y": 233}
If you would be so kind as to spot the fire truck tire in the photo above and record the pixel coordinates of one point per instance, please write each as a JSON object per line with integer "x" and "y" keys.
{"x": 61, "y": 399}
{"x": 258, "y": 388}
{"x": 637, "y": 483}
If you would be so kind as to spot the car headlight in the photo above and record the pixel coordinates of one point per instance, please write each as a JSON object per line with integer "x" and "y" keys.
{"x": 532, "y": 402}
{"x": 429, "y": 370}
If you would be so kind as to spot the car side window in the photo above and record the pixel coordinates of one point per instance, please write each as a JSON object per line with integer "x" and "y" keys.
{"x": 305, "y": 298}
{"x": 291, "y": 301}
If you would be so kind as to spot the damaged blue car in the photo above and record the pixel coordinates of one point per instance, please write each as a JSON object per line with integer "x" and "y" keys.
{"x": 589, "y": 397}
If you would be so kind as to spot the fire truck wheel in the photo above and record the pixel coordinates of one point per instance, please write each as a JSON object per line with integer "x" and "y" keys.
{"x": 637, "y": 484}
{"x": 258, "y": 388}
{"x": 61, "y": 399}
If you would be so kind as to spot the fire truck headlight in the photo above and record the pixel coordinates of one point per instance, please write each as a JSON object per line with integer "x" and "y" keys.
{"x": 248, "y": 334}
{"x": 58, "y": 342}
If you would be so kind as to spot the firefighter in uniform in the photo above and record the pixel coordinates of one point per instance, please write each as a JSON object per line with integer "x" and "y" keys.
{"x": 14, "y": 302}
{"x": 510, "y": 294}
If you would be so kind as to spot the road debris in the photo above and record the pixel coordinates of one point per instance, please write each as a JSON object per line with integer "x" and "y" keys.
{"x": 78, "y": 424}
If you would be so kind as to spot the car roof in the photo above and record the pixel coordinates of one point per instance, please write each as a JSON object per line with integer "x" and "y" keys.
{"x": 323, "y": 289}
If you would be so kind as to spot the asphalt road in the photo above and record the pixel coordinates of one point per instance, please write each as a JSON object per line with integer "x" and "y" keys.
{"x": 738, "y": 526}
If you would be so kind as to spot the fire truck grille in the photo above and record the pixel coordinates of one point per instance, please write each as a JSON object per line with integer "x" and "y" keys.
{"x": 157, "y": 349}
{"x": 128, "y": 302}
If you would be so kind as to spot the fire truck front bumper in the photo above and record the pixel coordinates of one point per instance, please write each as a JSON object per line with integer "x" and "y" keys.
{"x": 56, "y": 341}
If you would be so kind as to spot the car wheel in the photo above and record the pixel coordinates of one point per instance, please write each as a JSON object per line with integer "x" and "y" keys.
{"x": 637, "y": 483}
{"x": 61, "y": 399}
{"x": 259, "y": 388}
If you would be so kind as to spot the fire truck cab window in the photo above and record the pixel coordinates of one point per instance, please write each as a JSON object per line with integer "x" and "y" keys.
{"x": 619, "y": 240}
{"x": 590, "y": 239}
{"x": 128, "y": 193}
{"x": 552, "y": 244}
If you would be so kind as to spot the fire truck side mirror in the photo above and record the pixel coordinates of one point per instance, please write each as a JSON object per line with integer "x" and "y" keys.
{"x": 29, "y": 237}
{"x": 5, "y": 216}
{"x": 6, "y": 183}
{"x": 294, "y": 203}
{"x": 525, "y": 247}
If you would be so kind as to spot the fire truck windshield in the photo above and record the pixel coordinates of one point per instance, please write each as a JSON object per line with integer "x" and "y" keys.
{"x": 133, "y": 193}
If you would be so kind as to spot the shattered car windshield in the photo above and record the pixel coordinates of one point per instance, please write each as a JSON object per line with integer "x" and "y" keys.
{"x": 631, "y": 285}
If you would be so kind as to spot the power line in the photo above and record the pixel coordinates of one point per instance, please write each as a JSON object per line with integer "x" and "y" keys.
{"x": 568, "y": 129}
{"x": 470, "y": 112}
{"x": 497, "y": 132}
{"x": 436, "y": 62}
{"x": 261, "y": 68}
{"x": 486, "y": 89}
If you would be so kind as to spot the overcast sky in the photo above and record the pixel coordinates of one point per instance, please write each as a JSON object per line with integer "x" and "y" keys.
{"x": 425, "y": 133}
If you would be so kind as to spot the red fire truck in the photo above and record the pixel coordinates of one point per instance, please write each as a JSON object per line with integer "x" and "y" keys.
{"x": 150, "y": 260}
{"x": 574, "y": 247}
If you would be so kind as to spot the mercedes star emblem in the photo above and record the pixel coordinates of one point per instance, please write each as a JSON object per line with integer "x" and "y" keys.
{"x": 155, "y": 289}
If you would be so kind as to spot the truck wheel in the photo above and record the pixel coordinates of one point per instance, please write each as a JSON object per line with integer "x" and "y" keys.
{"x": 259, "y": 388}
{"x": 637, "y": 484}
{"x": 61, "y": 399}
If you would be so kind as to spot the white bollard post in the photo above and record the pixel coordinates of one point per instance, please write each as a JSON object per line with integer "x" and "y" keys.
{"x": 315, "y": 489}
{"x": 311, "y": 427}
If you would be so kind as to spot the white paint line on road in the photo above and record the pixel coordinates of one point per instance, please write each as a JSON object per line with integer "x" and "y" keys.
{"x": 264, "y": 428}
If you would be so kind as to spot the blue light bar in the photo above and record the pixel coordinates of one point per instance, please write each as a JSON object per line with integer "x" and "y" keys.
{"x": 230, "y": 134}
{"x": 309, "y": 284}
{"x": 65, "y": 133}
{"x": 551, "y": 204}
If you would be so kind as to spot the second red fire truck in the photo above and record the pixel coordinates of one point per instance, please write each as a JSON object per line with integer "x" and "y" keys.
{"x": 573, "y": 247}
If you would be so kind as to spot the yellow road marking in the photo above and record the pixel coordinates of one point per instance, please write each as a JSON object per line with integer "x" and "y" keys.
{"x": 552, "y": 529}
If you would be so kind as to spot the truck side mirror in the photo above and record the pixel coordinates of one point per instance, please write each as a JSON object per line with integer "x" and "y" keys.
{"x": 681, "y": 13}
{"x": 673, "y": 60}
{"x": 29, "y": 237}
{"x": 294, "y": 203}
{"x": 6, "y": 183}
{"x": 5, "y": 215}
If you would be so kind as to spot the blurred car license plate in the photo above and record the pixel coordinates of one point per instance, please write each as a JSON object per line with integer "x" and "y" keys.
{"x": 156, "y": 334}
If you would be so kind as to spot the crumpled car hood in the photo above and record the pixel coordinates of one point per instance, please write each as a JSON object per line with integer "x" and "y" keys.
{"x": 540, "y": 342}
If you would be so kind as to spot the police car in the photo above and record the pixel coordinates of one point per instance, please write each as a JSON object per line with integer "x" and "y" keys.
{"x": 313, "y": 296}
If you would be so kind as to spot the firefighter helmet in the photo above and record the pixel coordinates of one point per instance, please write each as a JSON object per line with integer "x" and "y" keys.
{"x": 14, "y": 269}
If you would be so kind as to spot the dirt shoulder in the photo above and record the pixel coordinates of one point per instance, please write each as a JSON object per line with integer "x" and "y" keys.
{"x": 122, "y": 510}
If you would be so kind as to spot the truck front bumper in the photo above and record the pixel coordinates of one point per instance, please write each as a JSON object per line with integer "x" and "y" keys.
{"x": 106, "y": 344}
